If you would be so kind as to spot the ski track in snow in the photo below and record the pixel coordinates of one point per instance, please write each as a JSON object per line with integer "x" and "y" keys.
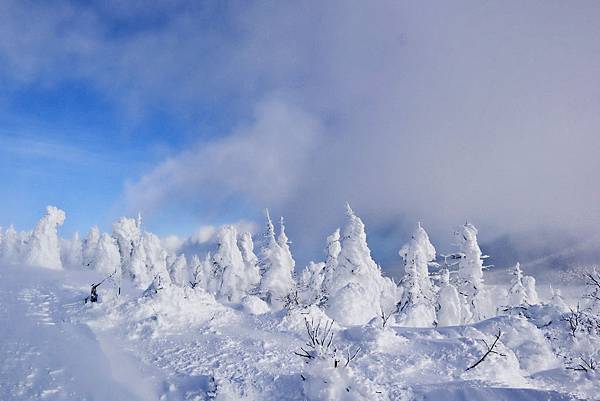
{"x": 46, "y": 355}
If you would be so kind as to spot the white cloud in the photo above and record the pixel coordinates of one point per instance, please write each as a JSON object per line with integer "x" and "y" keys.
{"x": 411, "y": 111}
{"x": 264, "y": 160}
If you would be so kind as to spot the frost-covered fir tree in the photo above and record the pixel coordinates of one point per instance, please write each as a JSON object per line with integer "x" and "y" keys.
{"x": 522, "y": 288}
{"x": 358, "y": 291}
{"x": 251, "y": 264}
{"x": 71, "y": 252}
{"x": 9, "y": 249}
{"x": 516, "y": 292}
{"x": 276, "y": 263}
{"x": 449, "y": 307}
{"x": 136, "y": 269}
{"x": 127, "y": 234}
{"x": 156, "y": 256}
{"x": 197, "y": 271}
{"x": 287, "y": 262}
{"x": 417, "y": 305}
{"x": 332, "y": 251}
{"x": 227, "y": 256}
{"x": 106, "y": 258}
{"x": 310, "y": 284}
{"x": 530, "y": 291}
{"x": 228, "y": 280}
{"x": 558, "y": 301}
{"x": 178, "y": 271}
{"x": 90, "y": 243}
{"x": 142, "y": 255}
{"x": 470, "y": 274}
{"x": 43, "y": 246}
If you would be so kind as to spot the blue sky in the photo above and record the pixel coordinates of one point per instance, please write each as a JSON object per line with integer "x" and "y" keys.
{"x": 207, "y": 112}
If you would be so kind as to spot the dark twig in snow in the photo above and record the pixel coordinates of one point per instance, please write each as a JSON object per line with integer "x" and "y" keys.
{"x": 574, "y": 320}
{"x": 384, "y": 317}
{"x": 593, "y": 280}
{"x": 586, "y": 365}
{"x": 490, "y": 350}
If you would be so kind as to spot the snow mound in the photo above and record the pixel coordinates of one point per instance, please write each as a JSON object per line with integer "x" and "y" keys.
{"x": 254, "y": 305}
{"x": 295, "y": 319}
{"x": 171, "y": 309}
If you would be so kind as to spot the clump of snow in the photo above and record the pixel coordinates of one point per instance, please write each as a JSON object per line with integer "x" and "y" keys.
{"x": 253, "y": 305}
{"x": 295, "y": 319}
{"x": 166, "y": 309}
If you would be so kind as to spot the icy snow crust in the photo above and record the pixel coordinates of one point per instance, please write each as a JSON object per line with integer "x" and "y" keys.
{"x": 181, "y": 344}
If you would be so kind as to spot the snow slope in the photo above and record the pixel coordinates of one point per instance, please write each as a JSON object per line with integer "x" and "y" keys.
{"x": 181, "y": 344}
{"x": 47, "y": 352}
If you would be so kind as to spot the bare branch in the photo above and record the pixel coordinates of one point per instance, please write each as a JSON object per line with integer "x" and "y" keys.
{"x": 490, "y": 350}
{"x": 351, "y": 358}
{"x": 384, "y": 317}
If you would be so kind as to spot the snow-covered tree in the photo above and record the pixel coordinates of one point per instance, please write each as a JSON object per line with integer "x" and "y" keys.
{"x": 127, "y": 234}
{"x": 198, "y": 273}
{"x": 358, "y": 291}
{"x": 228, "y": 279}
{"x": 90, "y": 243}
{"x": 136, "y": 269}
{"x": 470, "y": 274}
{"x": 558, "y": 301}
{"x": 10, "y": 247}
{"x": 327, "y": 374}
{"x": 277, "y": 265}
{"x": 310, "y": 284}
{"x": 106, "y": 256}
{"x": 43, "y": 246}
{"x": 251, "y": 264}
{"x": 332, "y": 251}
{"x": 156, "y": 256}
{"x": 449, "y": 307}
{"x": 178, "y": 271}
{"x": 142, "y": 254}
{"x": 530, "y": 291}
{"x": 417, "y": 305}
{"x": 71, "y": 252}
{"x": 516, "y": 292}
{"x": 522, "y": 288}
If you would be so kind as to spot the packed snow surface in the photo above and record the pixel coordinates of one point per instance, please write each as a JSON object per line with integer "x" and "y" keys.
{"x": 181, "y": 344}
